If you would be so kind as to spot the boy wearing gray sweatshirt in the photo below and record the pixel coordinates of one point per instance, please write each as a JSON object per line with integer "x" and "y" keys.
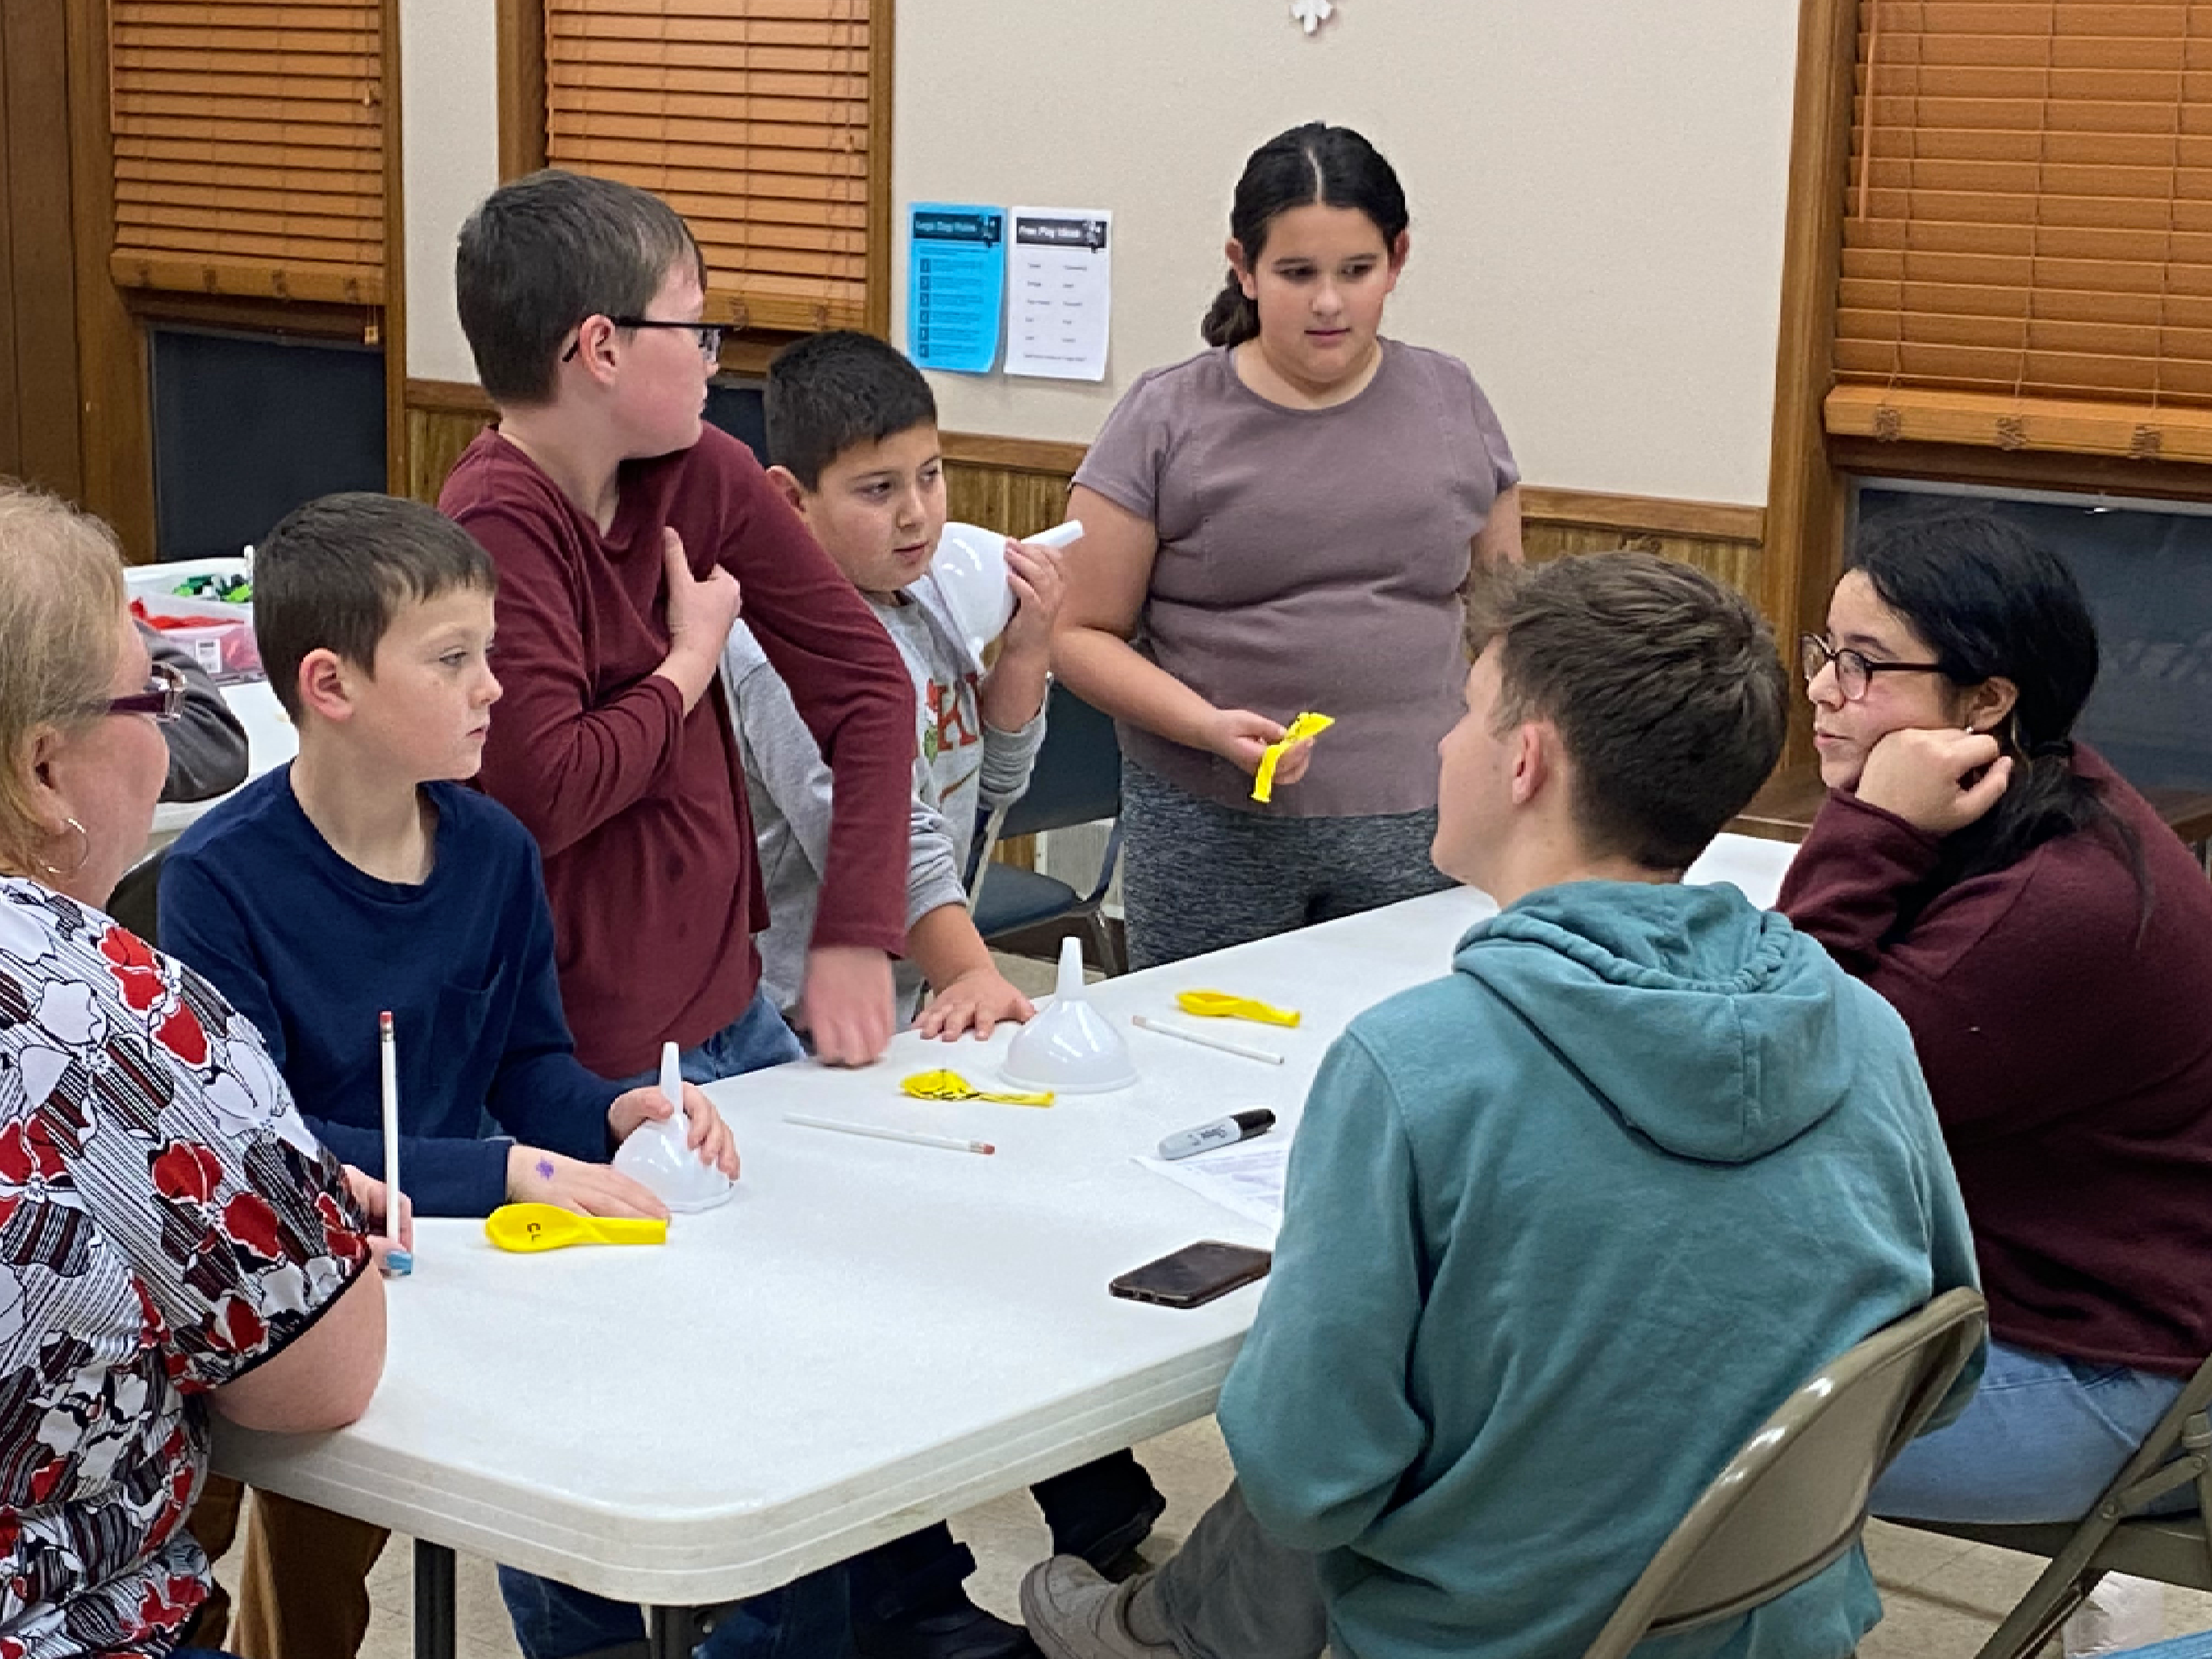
{"x": 852, "y": 434}
{"x": 852, "y": 430}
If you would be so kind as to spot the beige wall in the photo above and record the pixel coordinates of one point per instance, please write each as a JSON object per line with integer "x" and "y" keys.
{"x": 449, "y": 154}
{"x": 1597, "y": 191}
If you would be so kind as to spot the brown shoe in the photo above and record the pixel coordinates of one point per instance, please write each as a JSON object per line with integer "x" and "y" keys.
{"x": 1074, "y": 1614}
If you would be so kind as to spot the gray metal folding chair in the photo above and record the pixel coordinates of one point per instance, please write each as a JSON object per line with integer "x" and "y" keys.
{"x": 1794, "y": 1498}
{"x": 2116, "y": 1535}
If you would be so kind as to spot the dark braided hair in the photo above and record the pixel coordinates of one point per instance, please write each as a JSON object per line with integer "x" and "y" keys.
{"x": 1334, "y": 167}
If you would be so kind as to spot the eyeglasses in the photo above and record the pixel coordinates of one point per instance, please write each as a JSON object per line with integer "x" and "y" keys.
{"x": 163, "y": 697}
{"x": 710, "y": 334}
{"x": 1855, "y": 671}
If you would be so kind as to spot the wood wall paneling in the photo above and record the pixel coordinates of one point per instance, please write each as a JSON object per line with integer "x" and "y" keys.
{"x": 1009, "y": 484}
{"x": 1725, "y": 541}
{"x": 443, "y": 418}
{"x": 39, "y": 440}
{"x": 114, "y": 422}
{"x": 1020, "y": 486}
{"x": 1738, "y": 563}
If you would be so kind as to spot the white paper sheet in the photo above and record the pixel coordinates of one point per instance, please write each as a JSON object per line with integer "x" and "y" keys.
{"x": 1060, "y": 291}
{"x": 1248, "y": 1179}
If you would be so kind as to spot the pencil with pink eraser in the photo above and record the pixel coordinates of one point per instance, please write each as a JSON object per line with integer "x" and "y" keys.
{"x": 398, "y": 1261}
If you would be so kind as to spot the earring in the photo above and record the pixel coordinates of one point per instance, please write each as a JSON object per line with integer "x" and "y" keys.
{"x": 84, "y": 852}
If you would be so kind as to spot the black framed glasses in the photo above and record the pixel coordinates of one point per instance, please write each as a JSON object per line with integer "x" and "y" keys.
{"x": 163, "y": 697}
{"x": 1855, "y": 670}
{"x": 710, "y": 334}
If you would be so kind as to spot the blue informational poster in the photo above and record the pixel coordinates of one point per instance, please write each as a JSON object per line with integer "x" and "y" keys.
{"x": 956, "y": 285}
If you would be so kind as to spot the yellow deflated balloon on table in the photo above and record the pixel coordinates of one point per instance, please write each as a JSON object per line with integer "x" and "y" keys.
{"x": 1308, "y": 724}
{"x": 1221, "y": 1004}
{"x": 950, "y": 1085}
{"x": 529, "y": 1228}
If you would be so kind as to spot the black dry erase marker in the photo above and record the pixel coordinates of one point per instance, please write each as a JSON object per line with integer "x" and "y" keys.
{"x": 1222, "y": 1132}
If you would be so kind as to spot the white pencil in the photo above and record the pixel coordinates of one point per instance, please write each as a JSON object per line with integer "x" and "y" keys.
{"x": 396, "y": 1261}
{"x": 912, "y": 1137}
{"x": 1205, "y": 1039}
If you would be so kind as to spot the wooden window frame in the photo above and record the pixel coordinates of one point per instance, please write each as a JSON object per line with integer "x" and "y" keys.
{"x": 521, "y": 34}
{"x": 1809, "y": 469}
{"x": 115, "y": 394}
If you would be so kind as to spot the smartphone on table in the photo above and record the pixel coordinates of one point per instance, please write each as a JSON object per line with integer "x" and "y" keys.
{"x": 1193, "y": 1275}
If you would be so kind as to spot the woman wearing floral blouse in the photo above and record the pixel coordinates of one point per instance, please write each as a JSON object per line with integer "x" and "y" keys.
{"x": 171, "y": 1238}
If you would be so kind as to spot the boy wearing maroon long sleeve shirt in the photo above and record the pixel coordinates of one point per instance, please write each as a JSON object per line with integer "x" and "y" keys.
{"x": 622, "y": 530}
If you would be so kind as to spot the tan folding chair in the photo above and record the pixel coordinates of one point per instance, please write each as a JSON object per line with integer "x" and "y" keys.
{"x": 2116, "y": 1535}
{"x": 1794, "y": 1498}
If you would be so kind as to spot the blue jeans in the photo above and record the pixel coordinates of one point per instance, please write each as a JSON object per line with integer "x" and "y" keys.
{"x": 753, "y": 1041}
{"x": 2041, "y": 1439}
{"x": 805, "y": 1619}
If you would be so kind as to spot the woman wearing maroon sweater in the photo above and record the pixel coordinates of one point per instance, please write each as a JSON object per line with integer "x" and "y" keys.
{"x": 2049, "y": 942}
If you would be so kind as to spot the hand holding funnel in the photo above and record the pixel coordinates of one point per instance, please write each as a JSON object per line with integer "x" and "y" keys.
{"x": 656, "y": 1154}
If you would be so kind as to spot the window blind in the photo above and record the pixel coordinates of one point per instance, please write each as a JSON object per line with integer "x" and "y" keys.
{"x": 248, "y": 142}
{"x": 751, "y": 117}
{"x": 2027, "y": 232}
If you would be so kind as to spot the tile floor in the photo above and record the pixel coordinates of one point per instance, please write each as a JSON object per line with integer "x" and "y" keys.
{"x": 1943, "y": 1597}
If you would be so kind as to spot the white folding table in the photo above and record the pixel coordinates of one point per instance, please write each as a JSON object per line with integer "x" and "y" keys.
{"x": 871, "y": 1336}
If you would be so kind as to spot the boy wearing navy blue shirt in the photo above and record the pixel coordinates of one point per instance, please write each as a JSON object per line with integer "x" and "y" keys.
{"x": 366, "y": 877}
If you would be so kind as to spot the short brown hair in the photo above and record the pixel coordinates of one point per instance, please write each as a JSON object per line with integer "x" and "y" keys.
{"x": 61, "y": 609}
{"x": 543, "y": 252}
{"x": 830, "y": 392}
{"x": 1663, "y": 685}
{"x": 333, "y": 573}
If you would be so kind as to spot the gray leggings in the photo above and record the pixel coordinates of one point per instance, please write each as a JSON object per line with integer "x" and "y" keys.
{"x": 1197, "y": 876}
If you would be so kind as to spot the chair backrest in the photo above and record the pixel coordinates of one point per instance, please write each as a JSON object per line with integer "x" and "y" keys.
{"x": 137, "y": 898}
{"x": 1077, "y": 778}
{"x": 1794, "y": 1498}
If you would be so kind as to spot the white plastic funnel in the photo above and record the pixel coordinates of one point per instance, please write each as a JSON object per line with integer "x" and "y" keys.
{"x": 657, "y": 1159}
{"x": 1070, "y": 1047}
{"x": 970, "y": 569}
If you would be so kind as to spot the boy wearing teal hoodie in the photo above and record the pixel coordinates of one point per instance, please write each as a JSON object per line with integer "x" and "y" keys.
{"x": 1566, "y": 1225}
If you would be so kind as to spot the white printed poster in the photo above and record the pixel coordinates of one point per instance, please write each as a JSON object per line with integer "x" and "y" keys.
{"x": 1059, "y": 291}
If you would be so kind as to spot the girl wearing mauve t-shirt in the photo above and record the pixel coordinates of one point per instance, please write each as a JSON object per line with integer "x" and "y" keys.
{"x": 1284, "y": 522}
{"x": 2049, "y": 941}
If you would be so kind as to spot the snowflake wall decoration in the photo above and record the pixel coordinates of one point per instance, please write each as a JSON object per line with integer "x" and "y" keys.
{"x": 1312, "y": 14}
